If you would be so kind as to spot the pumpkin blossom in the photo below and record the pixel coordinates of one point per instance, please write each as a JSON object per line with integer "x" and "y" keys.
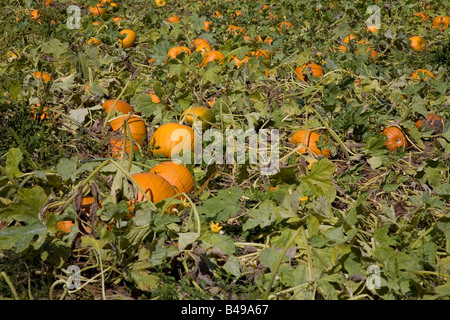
{"x": 215, "y": 227}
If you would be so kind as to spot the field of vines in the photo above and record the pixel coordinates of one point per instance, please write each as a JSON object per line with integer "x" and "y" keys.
{"x": 224, "y": 150}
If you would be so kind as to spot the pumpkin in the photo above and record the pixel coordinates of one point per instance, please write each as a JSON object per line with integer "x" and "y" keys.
{"x": 116, "y": 147}
{"x": 261, "y": 53}
{"x": 238, "y": 62}
{"x": 235, "y": 30}
{"x": 432, "y": 121}
{"x": 212, "y": 56}
{"x": 418, "y": 43}
{"x": 117, "y": 20}
{"x": 98, "y": 10}
{"x": 137, "y": 126}
{"x": 155, "y": 98}
{"x": 121, "y": 106}
{"x": 199, "y": 41}
{"x": 48, "y": 2}
{"x": 314, "y": 70}
{"x": 282, "y": 26}
{"x": 43, "y": 75}
{"x": 172, "y": 138}
{"x": 198, "y": 113}
{"x": 309, "y": 142}
{"x": 216, "y": 14}
{"x": 395, "y": 138}
{"x": 35, "y": 110}
{"x": 87, "y": 202}
{"x": 425, "y": 16}
{"x": 11, "y": 55}
{"x": 207, "y": 25}
{"x": 129, "y": 39}
{"x": 35, "y": 14}
{"x": 160, "y": 3}
{"x": 350, "y": 37}
{"x": 65, "y": 226}
{"x": 421, "y": 73}
{"x": 175, "y": 51}
{"x": 155, "y": 187}
{"x": 441, "y": 23}
{"x": 203, "y": 48}
{"x": 173, "y": 19}
{"x": 176, "y": 174}
{"x": 93, "y": 41}
{"x": 267, "y": 40}
{"x": 372, "y": 28}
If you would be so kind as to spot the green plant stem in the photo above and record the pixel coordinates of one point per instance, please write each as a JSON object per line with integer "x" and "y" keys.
{"x": 275, "y": 270}
{"x": 11, "y": 287}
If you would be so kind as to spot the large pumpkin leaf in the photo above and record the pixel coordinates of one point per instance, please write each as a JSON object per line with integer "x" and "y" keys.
{"x": 26, "y": 212}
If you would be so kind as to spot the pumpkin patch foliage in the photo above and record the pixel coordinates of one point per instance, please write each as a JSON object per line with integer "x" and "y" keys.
{"x": 135, "y": 138}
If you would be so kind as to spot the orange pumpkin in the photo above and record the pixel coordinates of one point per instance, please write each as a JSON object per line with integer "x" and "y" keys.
{"x": 207, "y": 25}
{"x": 348, "y": 38}
{"x": 121, "y": 106}
{"x": 116, "y": 147}
{"x": 441, "y": 23}
{"x": 176, "y": 174}
{"x": 395, "y": 138}
{"x": 432, "y": 120}
{"x": 425, "y": 16}
{"x": 35, "y": 110}
{"x": 235, "y": 30}
{"x": 43, "y": 75}
{"x": 98, "y": 10}
{"x": 175, "y": 51}
{"x": 238, "y": 62}
{"x": 212, "y": 56}
{"x": 418, "y": 43}
{"x": 199, "y": 113}
{"x": 137, "y": 126}
{"x": 173, "y": 19}
{"x": 129, "y": 39}
{"x": 283, "y": 26}
{"x": 422, "y": 73}
{"x": 203, "y": 48}
{"x": 309, "y": 142}
{"x": 155, "y": 187}
{"x": 65, "y": 226}
{"x": 93, "y": 41}
{"x": 171, "y": 138}
{"x": 314, "y": 69}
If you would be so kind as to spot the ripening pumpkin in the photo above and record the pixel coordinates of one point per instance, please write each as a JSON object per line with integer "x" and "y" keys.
{"x": 48, "y": 2}
{"x": 432, "y": 120}
{"x": 203, "y": 48}
{"x": 65, "y": 226}
{"x": 267, "y": 40}
{"x": 128, "y": 41}
{"x": 309, "y": 142}
{"x": 93, "y": 41}
{"x": 421, "y": 73}
{"x": 155, "y": 98}
{"x": 283, "y": 26}
{"x": 418, "y": 43}
{"x": 116, "y": 147}
{"x": 155, "y": 187}
{"x": 196, "y": 42}
{"x": 35, "y": 110}
{"x": 348, "y": 38}
{"x": 207, "y": 25}
{"x": 98, "y": 10}
{"x": 11, "y": 55}
{"x": 43, "y": 75}
{"x": 175, "y": 51}
{"x": 176, "y": 174}
{"x": 35, "y": 15}
{"x": 160, "y": 3}
{"x": 372, "y": 28}
{"x": 120, "y": 106}
{"x": 137, "y": 126}
{"x": 173, "y": 19}
{"x": 425, "y": 16}
{"x": 171, "y": 138}
{"x": 212, "y": 56}
{"x": 117, "y": 20}
{"x": 238, "y": 62}
{"x": 314, "y": 69}
{"x": 441, "y": 23}
{"x": 199, "y": 113}
{"x": 395, "y": 138}
{"x": 235, "y": 30}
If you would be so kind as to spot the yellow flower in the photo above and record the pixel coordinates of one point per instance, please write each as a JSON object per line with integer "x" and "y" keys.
{"x": 311, "y": 163}
{"x": 215, "y": 227}
{"x": 303, "y": 199}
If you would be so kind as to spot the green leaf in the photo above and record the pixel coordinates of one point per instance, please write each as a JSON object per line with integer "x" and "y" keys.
{"x": 13, "y": 159}
{"x": 90, "y": 242}
{"x": 232, "y": 266}
{"x": 66, "y": 167}
{"x": 261, "y": 216}
{"x": 225, "y": 205}
{"x": 25, "y": 210}
{"x": 319, "y": 179}
{"x": 221, "y": 241}
{"x": 187, "y": 238}
{"x": 144, "y": 104}
{"x": 269, "y": 257}
{"x": 211, "y": 74}
{"x": 139, "y": 274}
